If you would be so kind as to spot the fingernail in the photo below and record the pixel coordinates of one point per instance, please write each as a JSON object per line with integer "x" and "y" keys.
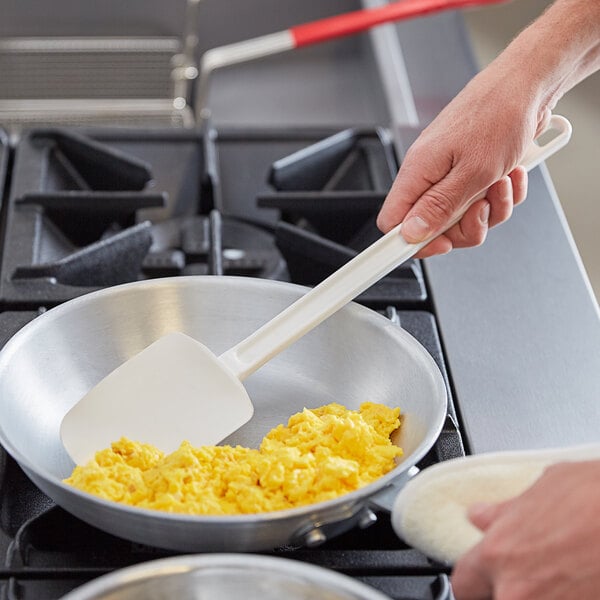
{"x": 484, "y": 213}
{"x": 415, "y": 229}
{"x": 382, "y": 224}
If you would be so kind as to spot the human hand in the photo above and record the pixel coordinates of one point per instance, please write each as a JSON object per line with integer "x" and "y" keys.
{"x": 544, "y": 544}
{"x": 473, "y": 145}
{"x": 476, "y": 142}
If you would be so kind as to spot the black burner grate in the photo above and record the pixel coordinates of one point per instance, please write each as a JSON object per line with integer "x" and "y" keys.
{"x": 35, "y": 569}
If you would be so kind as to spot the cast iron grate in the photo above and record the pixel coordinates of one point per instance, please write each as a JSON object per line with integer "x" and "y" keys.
{"x": 329, "y": 194}
{"x": 94, "y": 208}
{"x": 73, "y": 228}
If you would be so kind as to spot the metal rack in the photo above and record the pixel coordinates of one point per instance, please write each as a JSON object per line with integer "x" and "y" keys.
{"x": 89, "y": 78}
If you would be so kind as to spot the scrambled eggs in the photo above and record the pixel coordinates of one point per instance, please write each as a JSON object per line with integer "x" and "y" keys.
{"x": 321, "y": 454}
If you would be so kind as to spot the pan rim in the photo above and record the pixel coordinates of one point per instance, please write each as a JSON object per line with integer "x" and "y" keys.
{"x": 339, "y": 503}
{"x": 190, "y": 563}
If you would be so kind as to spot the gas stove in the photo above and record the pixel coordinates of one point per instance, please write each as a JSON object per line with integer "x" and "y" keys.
{"x": 90, "y": 208}
{"x": 278, "y": 187}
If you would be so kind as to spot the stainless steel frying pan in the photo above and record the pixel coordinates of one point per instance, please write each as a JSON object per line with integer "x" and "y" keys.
{"x": 225, "y": 577}
{"x": 354, "y": 356}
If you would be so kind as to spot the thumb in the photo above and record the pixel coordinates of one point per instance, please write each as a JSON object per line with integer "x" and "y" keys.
{"x": 437, "y": 208}
{"x": 417, "y": 174}
{"x": 483, "y": 515}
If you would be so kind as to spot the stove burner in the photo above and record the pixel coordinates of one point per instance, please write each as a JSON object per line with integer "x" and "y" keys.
{"x": 76, "y": 162}
{"x": 349, "y": 160}
{"x": 310, "y": 258}
{"x": 334, "y": 186}
{"x": 213, "y": 245}
{"x": 111, "y": 261}
{"x": 329, "y": 194}
{"x": 82, "y": 215}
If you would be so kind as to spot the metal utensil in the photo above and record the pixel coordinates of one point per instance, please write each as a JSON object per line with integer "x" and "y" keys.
{"x": 315, "y": 32}
{"x": 177, "y": 389}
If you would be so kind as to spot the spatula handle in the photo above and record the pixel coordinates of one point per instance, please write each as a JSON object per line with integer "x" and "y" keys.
{"x": 373, "y": 263}
{"x": 315, "y": 32}
{"x": 361, "y": 20}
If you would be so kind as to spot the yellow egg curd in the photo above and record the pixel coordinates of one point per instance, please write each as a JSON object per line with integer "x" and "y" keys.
{"x": 320, "y": 454}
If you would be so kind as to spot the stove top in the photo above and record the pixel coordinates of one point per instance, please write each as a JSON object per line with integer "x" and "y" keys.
{"x": 91, "y": 210}
{"x": 86, "y": 209}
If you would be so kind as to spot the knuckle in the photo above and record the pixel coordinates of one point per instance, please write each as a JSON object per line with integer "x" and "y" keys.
{"x": 416, "y": 156}
{"x": 481, "y": 169}
{"x": 439, "y": 204}
{"x": 488, "y": 171}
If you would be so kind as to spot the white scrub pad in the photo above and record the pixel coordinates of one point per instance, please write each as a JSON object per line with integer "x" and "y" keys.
{"x": 430, "y": 513}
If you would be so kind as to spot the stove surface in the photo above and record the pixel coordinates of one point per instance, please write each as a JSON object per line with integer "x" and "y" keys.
{"x": 88, "y": 209}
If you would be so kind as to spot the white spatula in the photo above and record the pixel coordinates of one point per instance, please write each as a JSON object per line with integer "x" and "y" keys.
{"x": 177, "y": 389}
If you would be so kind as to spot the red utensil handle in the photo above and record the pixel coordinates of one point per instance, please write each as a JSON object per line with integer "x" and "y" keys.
{"x": 360, "y": 20}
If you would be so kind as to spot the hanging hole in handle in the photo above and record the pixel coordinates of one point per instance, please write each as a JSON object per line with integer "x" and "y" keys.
{"x": 547, "y": 136}
{"x": 559, "y": 131}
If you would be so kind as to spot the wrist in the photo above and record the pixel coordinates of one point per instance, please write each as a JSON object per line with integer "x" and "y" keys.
{"x": 554, "y": 53}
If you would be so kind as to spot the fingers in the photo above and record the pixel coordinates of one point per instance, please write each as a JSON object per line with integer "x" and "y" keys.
{"x": 472, "y": 577}
{"x": 483, "y": 214}
{"x": 496, "y": 208}
{"x": 519, "y": 557}
{"x": 500, "y": 197}
{"x": 427, "y": 195}
{"x": 438, "y": 207}
{"x": 470, "y": 581}
{"x": 484, "y": 515}
{"x": 441, "y": 245}
{"x": 417, "y": 174}
{"x": 519, "y": 179}
{"x": 471, "y": 230}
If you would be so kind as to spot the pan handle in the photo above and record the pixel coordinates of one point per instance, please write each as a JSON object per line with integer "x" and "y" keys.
{"x": 384, "y": 500}
{"x": 357, "y": 275}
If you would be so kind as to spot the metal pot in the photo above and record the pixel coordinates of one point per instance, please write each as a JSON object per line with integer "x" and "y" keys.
{"x": 354, "y": 356}
{"x": 225, "y": 577}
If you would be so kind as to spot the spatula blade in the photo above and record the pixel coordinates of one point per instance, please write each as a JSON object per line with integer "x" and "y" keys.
{"x": 174, "y": 390}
